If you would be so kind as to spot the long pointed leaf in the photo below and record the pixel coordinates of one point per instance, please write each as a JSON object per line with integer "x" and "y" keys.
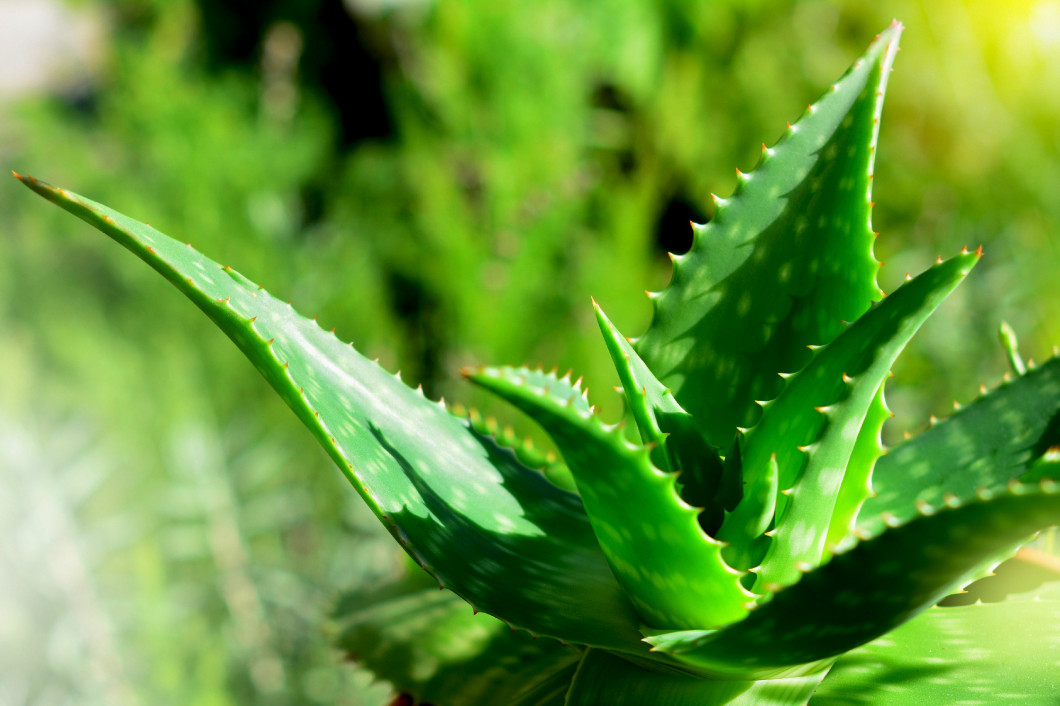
{"x": 678, "y": 442}
{"x": 461, "y": 505}
{"x": 857, "y": 480}
{"x": 798, "y": 228}
{"x": 814, "y": 424}
{"x": 645, "y": 396}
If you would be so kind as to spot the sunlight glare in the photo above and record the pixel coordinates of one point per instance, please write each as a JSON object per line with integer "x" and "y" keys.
{"x": 1045, "y": 22}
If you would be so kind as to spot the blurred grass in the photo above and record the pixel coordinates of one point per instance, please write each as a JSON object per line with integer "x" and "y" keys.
{"x": 453, "y": 196}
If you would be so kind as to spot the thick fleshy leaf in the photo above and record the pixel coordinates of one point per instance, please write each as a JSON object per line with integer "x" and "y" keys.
{"x": 812, "y": 427}
{"x": 678, "y": 443}
{"x": 782, "y": 263}
{"x": 645, "y": 396}
{"x": 606, "y": 679}
{"x": 429, "y": 644}
{"x": 979, "y": 654}
{"x": 671, "y": 570}
{"x": 871, "y": 589}
{"x": 857, "y": 483}
{"x": 985, "y": 444}
{"x": 496, "y": 533}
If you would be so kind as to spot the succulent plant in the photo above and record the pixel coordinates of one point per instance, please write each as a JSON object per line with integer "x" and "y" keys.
{"x": 744, "y": 531}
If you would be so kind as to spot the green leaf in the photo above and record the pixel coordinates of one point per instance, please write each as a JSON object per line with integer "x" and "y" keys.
{"x": 812, "y": 427}
{"x": 985, "y": 444}
{"x": 978, "y": 654}
{"x": 857, "y": 483}
{"x": 671, "y": 571}
{"x": 1029, "y": 572}
{"x": 494, "y": 532}
{"x": 1046, "y": 467}
{"x": 429, "y": 644}
{"x": 678, "y": 443}
{"x": 782, "y": 263}
{"x": 871, "y": 589}
{"x": 606, "y": 679}
{"x": 702, "y": 477}
{"x": 645, "y": 396}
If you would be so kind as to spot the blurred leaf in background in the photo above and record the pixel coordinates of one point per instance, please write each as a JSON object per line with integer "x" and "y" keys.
{"x": 445, "y": 183}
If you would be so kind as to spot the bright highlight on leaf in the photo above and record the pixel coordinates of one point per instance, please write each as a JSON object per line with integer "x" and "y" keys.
{"x": 746, "y": 530}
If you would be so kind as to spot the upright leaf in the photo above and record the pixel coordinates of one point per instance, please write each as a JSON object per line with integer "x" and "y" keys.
{"x": 677, "y": 441}
{"x": 813, "y": 426}
{"x": 784, "y": 261}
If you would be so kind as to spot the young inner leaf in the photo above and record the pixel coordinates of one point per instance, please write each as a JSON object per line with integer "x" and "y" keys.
{"x": 678, "y": 443}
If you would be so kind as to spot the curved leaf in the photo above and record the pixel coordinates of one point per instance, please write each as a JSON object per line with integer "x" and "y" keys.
{"x": 672, "y": 571}
{"x": 867, "y": 591}
{"x": 497, "y": 534}
{"x": 645, "y": 396}
{"x": 985, "y": 444}
{"x": 857, "y": 480}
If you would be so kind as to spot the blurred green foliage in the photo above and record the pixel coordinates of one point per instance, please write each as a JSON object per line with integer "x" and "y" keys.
{"x": 445, "y": 183}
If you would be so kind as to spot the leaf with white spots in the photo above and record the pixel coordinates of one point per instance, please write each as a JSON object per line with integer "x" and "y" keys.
{"x": 976, "y": 655}
{"x": 606, "y": 679}
{"x": 671, "y": 570}
{"x": 429, "y": 644}
{"x": 781, "y": 264}
{"x": 496, "y": 533}
{"x": 813, "y": 427}
{"x": 869, "y": 590}
{"x": 985, "y": 444}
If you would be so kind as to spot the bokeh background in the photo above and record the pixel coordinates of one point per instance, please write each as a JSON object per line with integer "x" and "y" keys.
{"x": 446, "y": 183}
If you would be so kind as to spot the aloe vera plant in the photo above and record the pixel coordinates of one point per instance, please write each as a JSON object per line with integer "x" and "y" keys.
{"x": 743, "y": 532}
